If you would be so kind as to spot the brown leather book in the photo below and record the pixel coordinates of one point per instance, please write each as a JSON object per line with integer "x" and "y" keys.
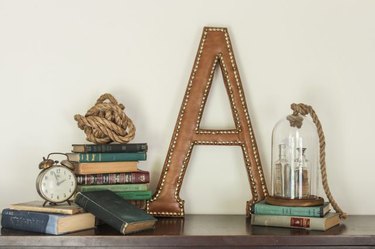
{"x": 105, "y": 167}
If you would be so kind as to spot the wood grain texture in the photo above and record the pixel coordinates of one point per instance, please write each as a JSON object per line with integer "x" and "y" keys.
{"x": 213, "y": 231}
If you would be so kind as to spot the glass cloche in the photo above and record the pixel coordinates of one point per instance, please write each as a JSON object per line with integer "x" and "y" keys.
{"x": 295, "y": 163}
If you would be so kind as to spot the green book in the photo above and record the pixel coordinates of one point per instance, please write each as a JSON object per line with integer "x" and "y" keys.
{"x": 308, "y": 223}
{"x": 114, "y": 187}
{"x": 135, "y": 195}
{"x": 115, "y": 211}
{"x": 107, "y": 157}
{"x": 315, "y": 211}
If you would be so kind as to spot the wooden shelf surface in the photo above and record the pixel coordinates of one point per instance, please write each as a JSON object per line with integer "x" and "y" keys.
{"x": 216, "y": 231}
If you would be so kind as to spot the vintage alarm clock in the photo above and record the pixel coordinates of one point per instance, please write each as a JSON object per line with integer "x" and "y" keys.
{"x": 56, "y": 182}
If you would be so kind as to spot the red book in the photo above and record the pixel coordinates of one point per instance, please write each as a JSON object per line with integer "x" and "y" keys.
{"x": 139, "y": 176}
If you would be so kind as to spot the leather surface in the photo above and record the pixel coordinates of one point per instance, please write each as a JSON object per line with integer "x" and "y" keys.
{"x": 215, "y": 50}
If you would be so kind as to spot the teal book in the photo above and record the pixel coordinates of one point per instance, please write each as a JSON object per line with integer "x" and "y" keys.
{"x": 135, "y": 195}
{"x": 115, "y": 211}
{"x": 114, "y": 187}
{"x": 109, "y": 148}
{"x": 267, "y": 209}
{"x": 48, "y": 223}
{"x": 107, "y": 157}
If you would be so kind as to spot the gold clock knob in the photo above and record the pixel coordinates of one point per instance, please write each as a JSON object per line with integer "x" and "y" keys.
{"x": 46, "y": 163}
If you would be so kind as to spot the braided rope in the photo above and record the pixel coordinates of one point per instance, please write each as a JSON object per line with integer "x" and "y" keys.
{"x": 296, "y": 121}
{"x": 106, "y": 122}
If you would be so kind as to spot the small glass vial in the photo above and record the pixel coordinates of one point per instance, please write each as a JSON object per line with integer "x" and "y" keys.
{"x": 278, "y": 175}
{"x": 302, "y": 176}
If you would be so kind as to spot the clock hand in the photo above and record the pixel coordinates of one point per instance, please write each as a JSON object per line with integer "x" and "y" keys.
{"x": 58, "y": 183}
{"x": 53, "y": 172}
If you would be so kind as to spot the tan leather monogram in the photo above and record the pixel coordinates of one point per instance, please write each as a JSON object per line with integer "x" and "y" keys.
{"x": 215, "y": 49}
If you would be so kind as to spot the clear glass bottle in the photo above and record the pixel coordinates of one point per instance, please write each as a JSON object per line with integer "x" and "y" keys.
{"x": 302, "y": 175}
{"x": 279, "y": 174}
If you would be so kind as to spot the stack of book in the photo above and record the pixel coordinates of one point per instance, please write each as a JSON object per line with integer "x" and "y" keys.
{"x": 310, "y": 218}
{"x": 112, "y": 167}
{"x": 57, "y": 219}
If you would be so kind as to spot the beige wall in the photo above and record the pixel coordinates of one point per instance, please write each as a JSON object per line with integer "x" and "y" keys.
{"x": 57, "y": 57}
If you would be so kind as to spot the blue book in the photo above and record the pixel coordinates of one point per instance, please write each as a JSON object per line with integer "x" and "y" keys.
{"x": 46, "y": 222}
{"x": 107, "y": 157}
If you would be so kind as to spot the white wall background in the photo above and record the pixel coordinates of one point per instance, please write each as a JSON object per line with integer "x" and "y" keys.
{"x": 58, "y": 57}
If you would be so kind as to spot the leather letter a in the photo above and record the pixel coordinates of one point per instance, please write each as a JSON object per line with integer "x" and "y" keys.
{"x": 215, "y": 49}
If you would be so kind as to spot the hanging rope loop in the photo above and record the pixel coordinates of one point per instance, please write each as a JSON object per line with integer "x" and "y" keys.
{"x": 106, "y": 122}
{"x": 296, "y": 119}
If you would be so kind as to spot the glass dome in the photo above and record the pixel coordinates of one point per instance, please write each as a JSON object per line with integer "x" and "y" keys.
{"x": 295, "y": 162}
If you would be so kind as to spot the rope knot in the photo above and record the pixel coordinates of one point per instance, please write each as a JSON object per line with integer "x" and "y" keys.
{"x": 106, "y": 122}
{"x": 299, "y": 111}
{"x": 301, "y": 108}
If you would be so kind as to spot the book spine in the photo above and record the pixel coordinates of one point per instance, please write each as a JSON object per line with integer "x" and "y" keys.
{"x": 29, "y": 221}
{"x": 112, "y": 157}
{"x": 142, "y": 204}
{"x": 114, "y": 187}
{"x": 135, "y": 195}
{"x": 100, "y": 212}
{"x": 92, "y": 168}
{"x": 309, "y": 223}
{"x": 260, "y": 208}
{"x": 119, "y": 178}
{"x": 113, "y": 148}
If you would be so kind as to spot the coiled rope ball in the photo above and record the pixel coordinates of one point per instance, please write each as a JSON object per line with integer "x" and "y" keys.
{"x": 106, "y": 122}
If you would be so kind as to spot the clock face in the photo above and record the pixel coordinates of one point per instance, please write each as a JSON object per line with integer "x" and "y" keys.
{"x": 56, "y": 184}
